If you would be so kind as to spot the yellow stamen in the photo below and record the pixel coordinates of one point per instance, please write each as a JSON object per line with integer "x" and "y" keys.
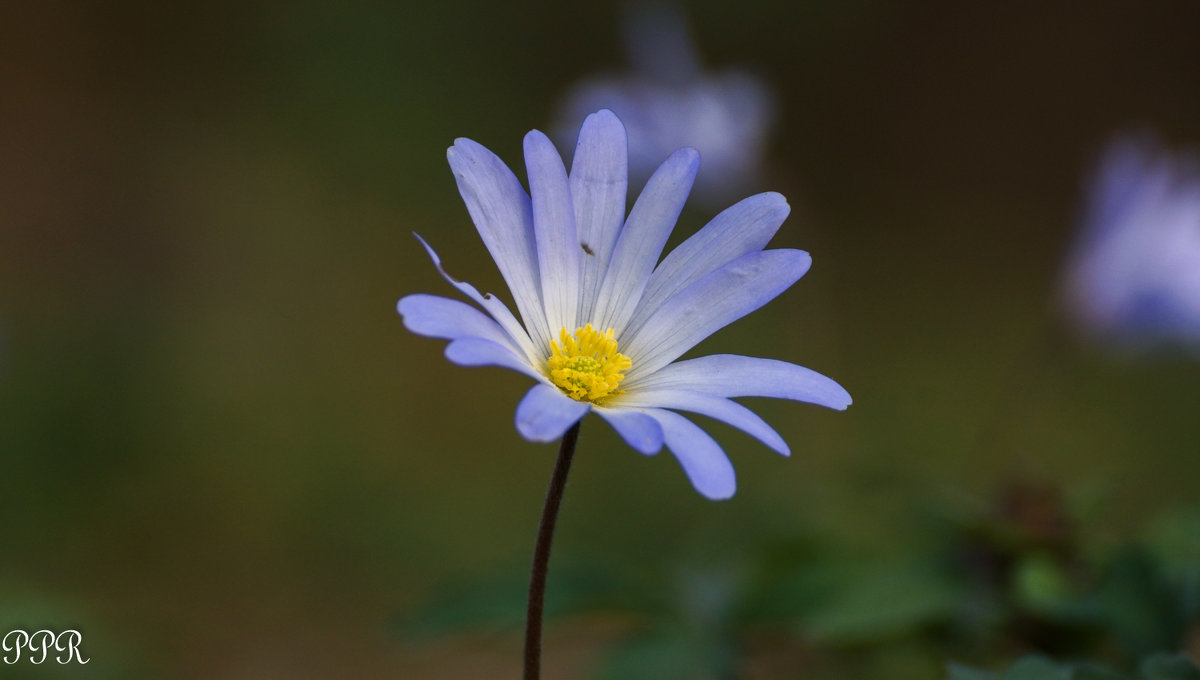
{"x": 586, "y": 365}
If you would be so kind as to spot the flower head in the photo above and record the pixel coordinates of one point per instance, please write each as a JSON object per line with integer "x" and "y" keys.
{"x": 667, "y": 101}
{"x": 602, "y": 320}
{"x": 1133, "y": 274}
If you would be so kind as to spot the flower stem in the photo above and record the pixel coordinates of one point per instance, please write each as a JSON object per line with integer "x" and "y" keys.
{"x": 541, "y": 554}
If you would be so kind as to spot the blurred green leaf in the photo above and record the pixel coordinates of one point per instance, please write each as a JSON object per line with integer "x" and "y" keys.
{"x": 499, "y": 600}
{"x": 1042, "y": 585}
{"x": 957, "y": 671}
{"x": 494, "y": 601}
{"x": 882, "y": 600}
{"x": 1090, "y": 672}
{"x": 1139, "y": 605}
{"x": 1176, "y": 536}
{"x": 789, "y": 596}
{"x": 668, "y": 655}
{"x": 1037, "y": 668}
{"x": 1169, "y": 667}
{"x": 792, "y": 577}
{"x": 1175, "y": 539}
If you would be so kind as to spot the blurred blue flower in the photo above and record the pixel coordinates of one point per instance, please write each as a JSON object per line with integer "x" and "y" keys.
{"x": 1133, "y": 275}
{"x": 667, "y": 101}
{"x": 603, "y": 325}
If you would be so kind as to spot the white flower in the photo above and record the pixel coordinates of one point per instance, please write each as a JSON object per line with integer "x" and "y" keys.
{"x": 603, "y": 320}
{"x": 1133, "y": 274}
{"x": 667, "y": 101}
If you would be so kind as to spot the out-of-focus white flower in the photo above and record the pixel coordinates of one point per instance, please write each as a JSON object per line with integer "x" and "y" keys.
{"x": 1133, "y": 275}
{"x": 667, "y": 101}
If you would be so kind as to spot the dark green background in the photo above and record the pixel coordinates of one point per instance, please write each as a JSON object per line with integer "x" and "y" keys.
{"x": 221, "y": 455}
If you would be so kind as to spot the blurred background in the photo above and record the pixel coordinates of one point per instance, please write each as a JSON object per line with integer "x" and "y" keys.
{"x": 222, "y": 456}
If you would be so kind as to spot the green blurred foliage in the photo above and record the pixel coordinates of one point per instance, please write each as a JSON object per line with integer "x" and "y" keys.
{"x": 222, "y": 456}
{"x": 1156, "y": 667}
{"x": 992, "y": 584}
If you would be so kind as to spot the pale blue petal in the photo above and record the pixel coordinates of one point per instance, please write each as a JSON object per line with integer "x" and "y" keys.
{"x": 545, "y": 413}
{"x": 743, "y": 228}
{"x": 706, "y": 465}
{"x": 731, "y": 375}
{"x": 599, "y": 181}
{"x": 480, "y": 352}
{"x": 493, "y": 305}
{"x": 638, "y": 430}
{"x": 711, "y": 303}
{"x": 501, "y": 211}
{"x": 720, "y": 408}
{"x": 642, "y": 239}
{"x": 558, "y": 249}
{"x": 438, "y": 317}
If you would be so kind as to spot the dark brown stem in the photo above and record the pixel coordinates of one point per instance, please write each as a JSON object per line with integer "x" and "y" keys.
{"x": 541, "y": 554}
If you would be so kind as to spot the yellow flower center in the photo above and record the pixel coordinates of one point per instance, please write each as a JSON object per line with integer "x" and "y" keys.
{"x": 586, "y": 365}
